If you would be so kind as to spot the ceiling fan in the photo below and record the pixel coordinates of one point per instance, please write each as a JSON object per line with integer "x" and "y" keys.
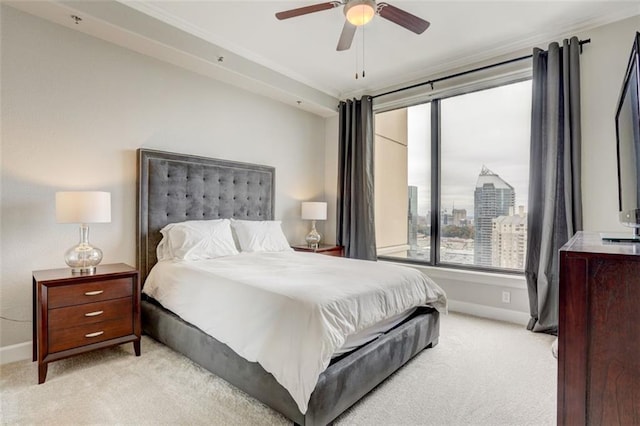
{"x": 358, "y": 13}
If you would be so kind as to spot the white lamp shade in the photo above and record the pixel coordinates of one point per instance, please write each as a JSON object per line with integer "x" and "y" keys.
{"x": 83, "y": 207}
{"x": 314, "y": 211}
{"x": 360, "y": 12}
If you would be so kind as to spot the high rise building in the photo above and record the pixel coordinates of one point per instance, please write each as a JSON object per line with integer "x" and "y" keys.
{"x": 493, "y": 197}
{"x": 459, "y": 217}
{"x": 509, "y": 241}
{"x": 446, "y": 218}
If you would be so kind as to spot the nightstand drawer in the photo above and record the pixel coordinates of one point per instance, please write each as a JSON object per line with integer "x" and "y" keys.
{"x": 77, "y": 294}
{"x": 72, "y": 337}
{"x": 89, "y": 313}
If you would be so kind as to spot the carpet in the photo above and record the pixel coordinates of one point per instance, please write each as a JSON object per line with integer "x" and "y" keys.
{"x": 482, "y": 372}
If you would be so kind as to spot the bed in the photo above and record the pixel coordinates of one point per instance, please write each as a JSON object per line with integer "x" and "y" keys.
{"x": 175, "y": 188}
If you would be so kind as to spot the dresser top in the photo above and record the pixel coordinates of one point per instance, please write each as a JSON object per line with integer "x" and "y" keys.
{"x": 591, "y": 242}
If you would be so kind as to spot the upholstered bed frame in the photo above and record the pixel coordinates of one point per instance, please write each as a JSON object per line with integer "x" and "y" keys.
{"x": 174, "y": 188}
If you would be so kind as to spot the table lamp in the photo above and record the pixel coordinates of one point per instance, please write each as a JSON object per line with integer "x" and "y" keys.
{"x": 83, "y": 207}
{"x": 314, "y": 211}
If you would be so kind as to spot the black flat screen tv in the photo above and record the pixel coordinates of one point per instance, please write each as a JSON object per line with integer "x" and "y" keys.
{"x": 628, "y": 146}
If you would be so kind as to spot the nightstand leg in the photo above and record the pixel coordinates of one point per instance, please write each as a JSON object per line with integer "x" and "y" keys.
{"x": 34, "y": 321}
{"x": 136, "y": 347}
{"x": 42, "y": 372}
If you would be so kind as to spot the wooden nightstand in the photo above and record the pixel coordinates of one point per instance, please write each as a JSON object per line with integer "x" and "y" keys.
{"x": 329, "y": 250}
{"x": 74, "y": 313}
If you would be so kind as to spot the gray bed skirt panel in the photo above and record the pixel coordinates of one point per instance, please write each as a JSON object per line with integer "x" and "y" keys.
{"x": 342, "y": 384}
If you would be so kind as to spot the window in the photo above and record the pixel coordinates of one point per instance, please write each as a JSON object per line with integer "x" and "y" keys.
{"x": 452, "y": 179}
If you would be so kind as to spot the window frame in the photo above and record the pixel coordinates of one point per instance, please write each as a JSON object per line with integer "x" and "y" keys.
{"x": 435, "y": 98}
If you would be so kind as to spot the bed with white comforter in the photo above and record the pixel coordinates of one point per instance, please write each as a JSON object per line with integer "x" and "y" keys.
{"x": 289, "y": 311}
{"x": 268, "y": 322}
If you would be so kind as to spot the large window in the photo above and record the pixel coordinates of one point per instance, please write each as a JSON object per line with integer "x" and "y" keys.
{"x": 452, "y": 179}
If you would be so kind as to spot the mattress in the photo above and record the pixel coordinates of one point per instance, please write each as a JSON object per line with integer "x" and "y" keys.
{"x": 290, "y": 311}
{"x": 354, "y": 341}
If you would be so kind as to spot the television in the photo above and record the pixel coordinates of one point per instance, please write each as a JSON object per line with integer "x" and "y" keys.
{"x": 628, "y": 146}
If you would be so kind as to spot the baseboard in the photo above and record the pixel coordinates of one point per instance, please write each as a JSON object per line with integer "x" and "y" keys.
{"x": 14, "y": 353}
{"x": 507, "y": 315}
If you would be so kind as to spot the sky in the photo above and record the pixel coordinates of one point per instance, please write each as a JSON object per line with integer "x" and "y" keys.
{"x": 489, "y": 127}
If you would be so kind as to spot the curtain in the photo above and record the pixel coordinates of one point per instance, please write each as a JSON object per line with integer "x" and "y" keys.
{"x": 555, "y": 201}
{"x": 355, "y": 225}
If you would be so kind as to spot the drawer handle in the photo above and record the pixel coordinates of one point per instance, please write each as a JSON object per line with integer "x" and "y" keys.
{"x": 94, "y": 293}
{"x": 93, "y": 314}
{"x": 96, "y": 334}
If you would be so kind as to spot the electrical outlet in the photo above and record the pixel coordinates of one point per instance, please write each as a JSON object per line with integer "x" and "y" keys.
{"x": 506, "y": 297}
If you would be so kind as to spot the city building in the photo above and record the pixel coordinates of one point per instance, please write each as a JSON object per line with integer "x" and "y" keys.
{"x": 493, "y": 197}
{"x": 459, "y": 217}
{"x": 446, "y": 218}
{"x": 509, "y": 240}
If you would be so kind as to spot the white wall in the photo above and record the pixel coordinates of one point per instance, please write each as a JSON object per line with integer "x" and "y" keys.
{"x": 74, "y": 110}
{"x": 603, "y": 65}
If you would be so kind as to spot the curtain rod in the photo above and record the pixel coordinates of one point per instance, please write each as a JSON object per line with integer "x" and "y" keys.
{"x": 460, "y": 74}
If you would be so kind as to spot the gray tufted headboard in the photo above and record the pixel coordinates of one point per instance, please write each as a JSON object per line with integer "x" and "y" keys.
{"x": 177, "y": 187}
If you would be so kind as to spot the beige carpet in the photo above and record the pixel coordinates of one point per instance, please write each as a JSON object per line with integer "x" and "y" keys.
{"x": 483, "y": 372}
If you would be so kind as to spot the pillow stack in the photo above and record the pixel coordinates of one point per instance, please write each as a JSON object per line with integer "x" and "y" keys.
{"x": 210, "y": 239}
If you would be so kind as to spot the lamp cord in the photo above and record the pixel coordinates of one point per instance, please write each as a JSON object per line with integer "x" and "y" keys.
{"x": 356, "y": 59}
{"x": 361, "y": 26}
{"x": 363, "y": 75}
{"x": 13, "y": 320}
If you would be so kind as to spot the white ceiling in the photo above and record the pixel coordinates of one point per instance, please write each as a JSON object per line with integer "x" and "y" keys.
{"x": 304, "y": 47}
{"x": 296, "y": 61}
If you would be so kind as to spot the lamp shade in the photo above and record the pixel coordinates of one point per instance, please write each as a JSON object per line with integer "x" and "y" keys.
{"x": 360, "y": 12}
{"x": 83, "y": 207}
{"x": 314, "y": 210}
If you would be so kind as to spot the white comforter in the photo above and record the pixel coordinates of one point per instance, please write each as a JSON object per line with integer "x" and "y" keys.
{"x": 288, "y": 311}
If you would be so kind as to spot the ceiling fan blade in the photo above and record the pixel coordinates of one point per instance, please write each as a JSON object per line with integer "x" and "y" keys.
{"x": 346, "y": 37}
{"x": 307, "y": 9}
{"x": 402, "y": 18}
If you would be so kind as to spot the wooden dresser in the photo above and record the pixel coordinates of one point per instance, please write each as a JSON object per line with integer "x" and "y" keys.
{"x": 76, "y": 313}
{"x": 599, "y": 332}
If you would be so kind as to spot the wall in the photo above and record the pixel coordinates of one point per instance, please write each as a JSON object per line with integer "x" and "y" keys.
{"x": 603, "y": 65}
{"x": 74, "y": 111}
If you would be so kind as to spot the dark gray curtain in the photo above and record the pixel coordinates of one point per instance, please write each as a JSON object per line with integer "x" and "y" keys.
{"x": 555, "y": 201}
{"x": 355, "y": 227}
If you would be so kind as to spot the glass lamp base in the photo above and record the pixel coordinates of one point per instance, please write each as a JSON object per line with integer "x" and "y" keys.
{"x": 83, "y": 258}
{"x": 90, "y": 270}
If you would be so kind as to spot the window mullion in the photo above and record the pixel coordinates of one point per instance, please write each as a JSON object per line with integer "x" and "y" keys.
{"x": 435, "y": 181}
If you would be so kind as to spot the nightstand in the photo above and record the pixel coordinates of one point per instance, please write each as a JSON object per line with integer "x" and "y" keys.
{"x": 327, "y": 249}
{"x": 77, "y": 313}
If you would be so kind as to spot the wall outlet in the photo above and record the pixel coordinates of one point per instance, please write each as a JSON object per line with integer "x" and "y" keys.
{"x": 506, "y": 297}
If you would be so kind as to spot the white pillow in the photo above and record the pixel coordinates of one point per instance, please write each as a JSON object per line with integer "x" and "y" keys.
{"x": 266, "y": 235}
{"x": 196, "y": 240}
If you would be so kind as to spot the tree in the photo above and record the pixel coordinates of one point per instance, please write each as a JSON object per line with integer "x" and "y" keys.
{"x": 453, "y": 231}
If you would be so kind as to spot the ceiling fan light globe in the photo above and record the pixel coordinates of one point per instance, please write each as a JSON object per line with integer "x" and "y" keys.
{"x": 360, "y": 12}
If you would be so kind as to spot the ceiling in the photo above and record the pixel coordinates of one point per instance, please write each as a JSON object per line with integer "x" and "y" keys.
{"x": 297, "y": 58}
